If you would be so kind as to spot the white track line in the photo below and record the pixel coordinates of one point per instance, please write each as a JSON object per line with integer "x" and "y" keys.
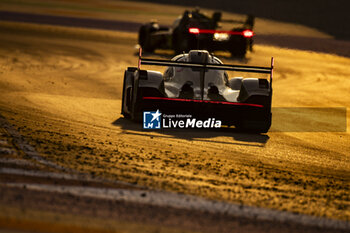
{"x": 20, "y": 162}
{"x": 55, "y": 175}
{"x": 25, "y": 147}
{"x": 42, "y": 174}
{"x": 7, "y": 151}
{"x": 31, "y": 152}
{"x": 166, "y": 199}
{"x": 3, "y": 143}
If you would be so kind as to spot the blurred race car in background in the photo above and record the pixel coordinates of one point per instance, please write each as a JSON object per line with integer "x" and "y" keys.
{"x": 195, "y": 30}
{"x": 197, "y": 83}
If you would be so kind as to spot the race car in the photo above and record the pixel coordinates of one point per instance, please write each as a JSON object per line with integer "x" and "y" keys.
{"x": 195, "y": 30}
{"x": 197, "y": 83}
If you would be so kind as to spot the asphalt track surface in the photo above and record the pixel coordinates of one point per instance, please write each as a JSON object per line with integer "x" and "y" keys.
{"x": 339, "y": 47}
{"x": 20, "y": 187}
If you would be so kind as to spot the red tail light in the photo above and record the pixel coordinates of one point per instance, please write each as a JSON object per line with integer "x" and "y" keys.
{"x": 248, "y": 33}
{"x": 194, "y": 30}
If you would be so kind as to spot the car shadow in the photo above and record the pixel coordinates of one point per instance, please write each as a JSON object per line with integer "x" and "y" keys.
{"x": 238, "y": 138}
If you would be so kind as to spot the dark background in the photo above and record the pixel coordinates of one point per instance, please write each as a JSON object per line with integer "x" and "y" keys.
{"x": 330, "y": 16}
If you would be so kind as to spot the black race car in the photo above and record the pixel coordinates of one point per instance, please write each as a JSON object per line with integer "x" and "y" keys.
{"x": 197, "y": 83}
{"x": 195, "y": 30}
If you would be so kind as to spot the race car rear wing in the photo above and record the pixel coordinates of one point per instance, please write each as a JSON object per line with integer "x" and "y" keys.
{"x": 248, "y": 23}
{"x": 239, "y": 68}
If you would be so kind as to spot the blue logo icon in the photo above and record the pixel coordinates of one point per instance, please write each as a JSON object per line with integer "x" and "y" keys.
{"x": 151, "y": 120}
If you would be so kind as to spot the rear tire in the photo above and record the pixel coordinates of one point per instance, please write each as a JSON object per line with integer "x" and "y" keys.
{"x": 239, "y": 52}
{"x": 243, "y": 127}
{"x": 136, "y": 114}
{"x": 126, "y": 96}
{"x": 252, "y": 126}
{"x": 239, "y": 46}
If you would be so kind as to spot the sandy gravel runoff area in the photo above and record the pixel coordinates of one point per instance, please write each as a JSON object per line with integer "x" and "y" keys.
{"x": 60, "y": 97}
